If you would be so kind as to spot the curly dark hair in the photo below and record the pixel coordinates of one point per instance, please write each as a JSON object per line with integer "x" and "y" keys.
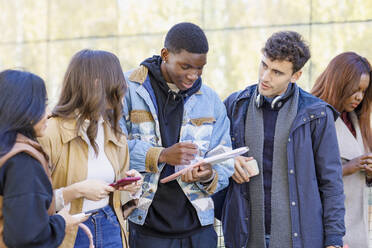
{"x": 187, "y": 36}
{"x": 287, "y": 45}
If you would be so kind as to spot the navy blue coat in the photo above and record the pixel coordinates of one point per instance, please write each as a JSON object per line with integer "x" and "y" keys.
{"x": 27, "y": 194}
{"x": 314, "y": 176}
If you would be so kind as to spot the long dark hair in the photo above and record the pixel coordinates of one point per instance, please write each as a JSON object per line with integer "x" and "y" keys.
{"x": 22, "y": 104}
{"x": 93, "y": 86}
{"x": 340, "y": 80}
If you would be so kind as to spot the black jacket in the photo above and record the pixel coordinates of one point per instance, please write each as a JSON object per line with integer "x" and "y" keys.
{"x": 27, "y": 194}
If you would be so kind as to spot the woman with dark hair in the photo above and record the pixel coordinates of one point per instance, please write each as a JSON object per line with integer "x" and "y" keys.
{"x": 88, "y": 150}
{"x": 27, "y": 210}
{"x": 346, "y": 84}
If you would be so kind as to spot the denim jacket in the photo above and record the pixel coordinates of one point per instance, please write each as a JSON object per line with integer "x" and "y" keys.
{"x": 204, "y": 122}
{"x": 314, "y": 176}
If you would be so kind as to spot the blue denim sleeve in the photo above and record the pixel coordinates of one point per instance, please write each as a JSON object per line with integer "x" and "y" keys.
{"x": 219, "y": 197}
{"x": 329, "y": 176}
{"x": 137, "y": 148}
{"x": 221, "y": 136}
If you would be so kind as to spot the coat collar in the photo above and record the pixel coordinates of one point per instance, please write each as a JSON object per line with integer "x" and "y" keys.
{"x": 246, "y": 93}
{"x": 350, "y": 147}
{"x": 68, "y": 132}
{"x": 139, "y": 75}
{"x": 309, "y": 106}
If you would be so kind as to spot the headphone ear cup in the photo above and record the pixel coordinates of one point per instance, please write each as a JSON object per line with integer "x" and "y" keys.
{"x": 259, "y": 101}
{"x": 277, "y": 103}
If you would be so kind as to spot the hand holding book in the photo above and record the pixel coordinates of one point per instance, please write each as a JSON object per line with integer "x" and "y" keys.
{"x": 218, "y": 158}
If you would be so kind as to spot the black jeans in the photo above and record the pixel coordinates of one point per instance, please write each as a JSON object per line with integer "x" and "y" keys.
{"x": 206, "y": 238}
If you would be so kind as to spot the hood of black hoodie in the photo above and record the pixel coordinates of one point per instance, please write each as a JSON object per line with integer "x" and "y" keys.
{"x": 153, "y": 65}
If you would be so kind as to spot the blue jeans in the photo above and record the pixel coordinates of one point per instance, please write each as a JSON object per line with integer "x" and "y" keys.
{"x": 267, "y": 240}
{"x": 105, "y": 228}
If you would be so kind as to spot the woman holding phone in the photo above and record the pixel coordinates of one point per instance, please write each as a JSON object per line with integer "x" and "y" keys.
{"x": 88, "y": 150}
{"x": 27, "y": 210}
{"x": 346, "y": 85}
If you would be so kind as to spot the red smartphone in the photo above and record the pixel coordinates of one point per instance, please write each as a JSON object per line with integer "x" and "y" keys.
{"x": 124, "y": 181}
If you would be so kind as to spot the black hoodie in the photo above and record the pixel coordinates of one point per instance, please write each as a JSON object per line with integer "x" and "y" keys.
{"x": 171, "y": 214}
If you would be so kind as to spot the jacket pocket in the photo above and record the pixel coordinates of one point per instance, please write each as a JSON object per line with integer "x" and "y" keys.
{"x": 200, "y": 131}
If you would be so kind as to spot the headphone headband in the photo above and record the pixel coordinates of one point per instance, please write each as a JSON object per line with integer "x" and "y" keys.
{"x": 278, "y": 101}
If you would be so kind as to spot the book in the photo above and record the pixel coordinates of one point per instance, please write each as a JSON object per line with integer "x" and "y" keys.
{"x": 215, "y": 159}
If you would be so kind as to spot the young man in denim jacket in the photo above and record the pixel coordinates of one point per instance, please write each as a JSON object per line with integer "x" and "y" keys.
{"x": 297, "y": 199}
{"x": 171, "y": 118}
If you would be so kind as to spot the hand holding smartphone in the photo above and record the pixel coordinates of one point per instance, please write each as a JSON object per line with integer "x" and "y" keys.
{"x": 252, "y": 169}
{"x": 124, "y": 181}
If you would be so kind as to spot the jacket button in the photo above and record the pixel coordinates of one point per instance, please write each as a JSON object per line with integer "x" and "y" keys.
{"x": 232, "y": 138}
{"x": 295, "y": 234}
{"x": 140, "y": 217}
{"x": 312, "y": 116}
{"x": 291, "y": 171}
{"x": 289, "y": 139}
{"x": 293, "y": 203}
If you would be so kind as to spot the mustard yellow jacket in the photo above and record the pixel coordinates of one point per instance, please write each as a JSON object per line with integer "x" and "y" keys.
{"x": 68, "y": 153}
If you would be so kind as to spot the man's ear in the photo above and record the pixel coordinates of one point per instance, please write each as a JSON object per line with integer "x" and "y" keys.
{"x": 164, "y": 53}
{"x": 296, "y": 76}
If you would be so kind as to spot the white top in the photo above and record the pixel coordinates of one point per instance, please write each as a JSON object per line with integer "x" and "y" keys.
{"x": 99, "y": 167}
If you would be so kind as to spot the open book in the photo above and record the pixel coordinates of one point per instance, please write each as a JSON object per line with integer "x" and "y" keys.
{"x": 218, "y": 158}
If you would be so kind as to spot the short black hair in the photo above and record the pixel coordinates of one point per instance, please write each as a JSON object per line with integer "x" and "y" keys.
{"x": 287, "y": 45}
{"x": 22, "y": 105}
{"x": 187, "y": 36}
